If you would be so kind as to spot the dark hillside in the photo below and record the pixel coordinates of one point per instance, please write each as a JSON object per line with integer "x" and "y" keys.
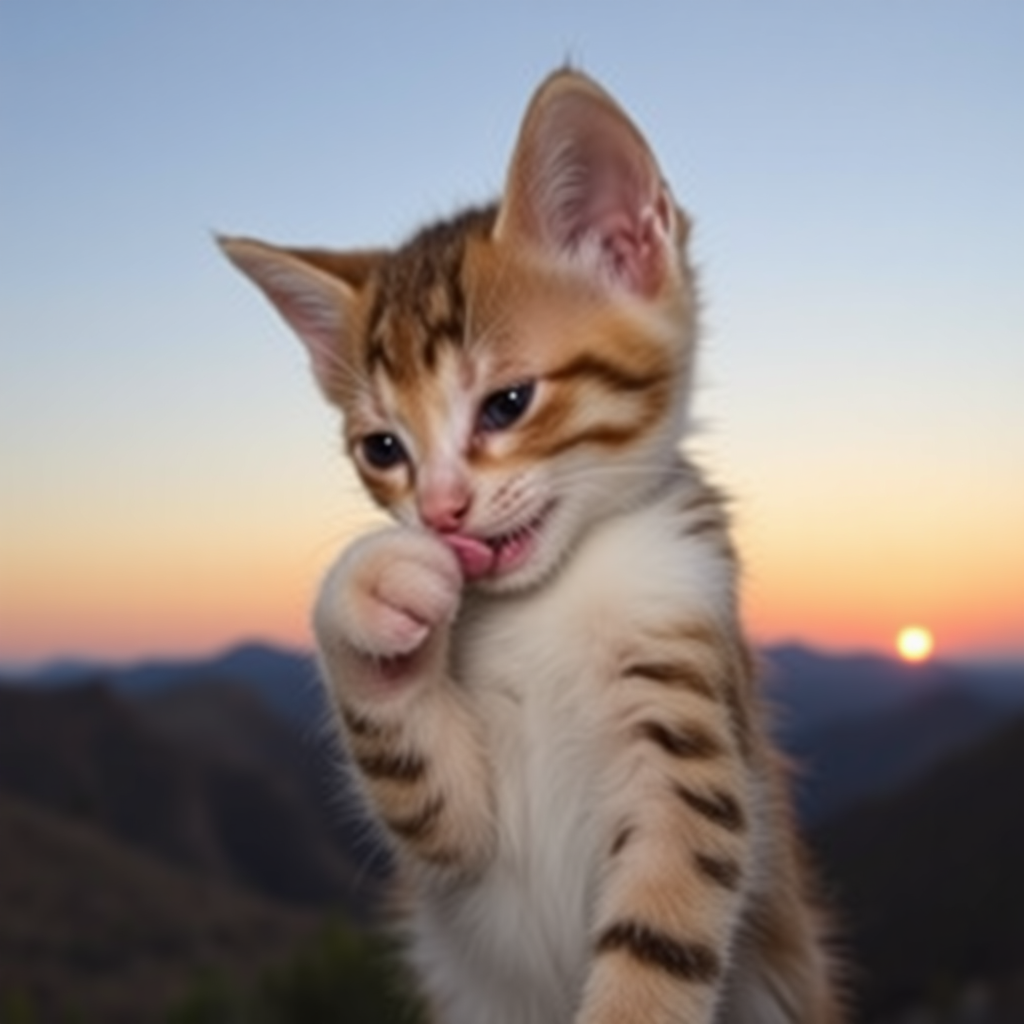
{"x": 239, "y": 805}
{"x": 88, "y": 925}
{"x": 845, "y": 764}
{"x": 929, "y": 881}
{"x": 148, "y": 814}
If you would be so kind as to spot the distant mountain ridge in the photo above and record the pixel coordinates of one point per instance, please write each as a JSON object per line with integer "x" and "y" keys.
{"x": 928, "y": 887}
{"x": 286, "y": 680}
{"x": 855, "y": 725}
{"x": 149, "y": 833}
{"x": 95, "y": 930}
{"x": 221, "y": 772}
{"x": 858, "y": 726}
{"x": 813, "y": 691}
{"x": 241, "y": 796}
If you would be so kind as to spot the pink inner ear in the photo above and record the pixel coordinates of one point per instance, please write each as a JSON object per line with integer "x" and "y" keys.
{"x": 630, "y": 236}
{"x": 584, "y": 183}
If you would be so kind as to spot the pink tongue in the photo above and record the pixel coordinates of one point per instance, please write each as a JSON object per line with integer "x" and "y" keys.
{"x": 476, "y": 558}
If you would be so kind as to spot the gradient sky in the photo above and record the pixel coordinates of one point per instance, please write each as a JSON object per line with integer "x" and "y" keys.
{"x": 169, "y": 481}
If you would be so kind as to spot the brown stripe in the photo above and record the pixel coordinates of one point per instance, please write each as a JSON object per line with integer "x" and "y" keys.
{"x": 738, "y": 673}
{"x": 415, "y": 826}
{"x": 604, "y": 436}
{"x": 440, "y": 856}
{"x": 702, "y": 633}
{"x": 394, "y": 767}
{"x": 722, "y": 871}
{"x": 687, "y": 961}
{"x": 590, "y": 365}
{"x": 621, "y": 839}
{"x": 362, "y": 726}
{"x": 717, "y": 807}
{"x": 690, "y": 741}
{"x": 442, "y": 313}
{"x": 450, "y": 334}
{"x": 374, "y": 318}
{"x": 704, "y": 526}
{"x": 684, "y": 677}
{"x": 704, "y": 499}
{"x": 377, "y": 356}
{"x": 554, "y": 427}
{"x": 739, "y": 718}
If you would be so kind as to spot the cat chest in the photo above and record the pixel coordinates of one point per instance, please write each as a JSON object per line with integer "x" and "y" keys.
{"x": 538, "y": 671}
{"x": 544, "y": 673}
{"x": 537, "y": 696}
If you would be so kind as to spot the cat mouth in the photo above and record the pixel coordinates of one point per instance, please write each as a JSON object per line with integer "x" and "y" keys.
{"x": 493, "y": 556}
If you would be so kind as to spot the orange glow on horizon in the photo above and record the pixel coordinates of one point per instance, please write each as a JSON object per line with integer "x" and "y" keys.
{"x": 181, "y": 588}
{"x": 847, "y": 623}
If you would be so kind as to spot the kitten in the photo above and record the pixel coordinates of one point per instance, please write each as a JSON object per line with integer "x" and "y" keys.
{"x": 539, "y": 674}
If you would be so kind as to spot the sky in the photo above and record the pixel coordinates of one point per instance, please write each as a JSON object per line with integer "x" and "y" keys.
{"x": 170, "y": 480}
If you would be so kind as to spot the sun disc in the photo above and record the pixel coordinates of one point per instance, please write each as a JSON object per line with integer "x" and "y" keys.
{"x": 914, "y": 643}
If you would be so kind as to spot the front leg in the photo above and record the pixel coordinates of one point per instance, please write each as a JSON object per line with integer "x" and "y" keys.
{"x": 680, "y": 803}
{"x": 383, "y": 622}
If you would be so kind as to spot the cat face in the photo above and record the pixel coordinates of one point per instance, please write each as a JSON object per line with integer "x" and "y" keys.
{"x": 514, "y": 374}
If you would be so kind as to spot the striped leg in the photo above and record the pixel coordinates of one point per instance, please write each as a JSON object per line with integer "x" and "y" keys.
{"x": 678, "y": 850}
{"x": 382, "y": 625}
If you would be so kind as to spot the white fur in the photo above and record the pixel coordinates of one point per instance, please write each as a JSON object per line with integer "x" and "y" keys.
{"x": 513, "y": 947}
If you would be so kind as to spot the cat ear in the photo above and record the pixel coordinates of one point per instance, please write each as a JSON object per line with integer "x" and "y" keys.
{"x": 315, "y": 290}
{"x": 583, "y": 183}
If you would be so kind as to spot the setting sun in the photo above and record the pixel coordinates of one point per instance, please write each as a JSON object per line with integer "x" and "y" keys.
{"x": 914, "y": 643}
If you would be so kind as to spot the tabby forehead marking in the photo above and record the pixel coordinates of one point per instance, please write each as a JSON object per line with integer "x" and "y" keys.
{"x": 419, "y": 299}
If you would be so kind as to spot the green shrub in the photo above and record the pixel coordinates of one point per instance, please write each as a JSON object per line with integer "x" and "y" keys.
{"x": 340, "y": 977}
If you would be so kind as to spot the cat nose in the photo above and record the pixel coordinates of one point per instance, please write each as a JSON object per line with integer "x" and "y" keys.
{"x": 444, "y": 511}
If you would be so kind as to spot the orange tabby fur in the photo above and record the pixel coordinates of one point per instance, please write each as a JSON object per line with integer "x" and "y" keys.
{"x": 540, "y": 673}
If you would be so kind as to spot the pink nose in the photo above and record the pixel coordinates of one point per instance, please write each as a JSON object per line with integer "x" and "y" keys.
{"x": 444, "y": 511}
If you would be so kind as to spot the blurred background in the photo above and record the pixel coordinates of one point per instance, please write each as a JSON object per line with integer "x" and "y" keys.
{"x": 175, "y": 839}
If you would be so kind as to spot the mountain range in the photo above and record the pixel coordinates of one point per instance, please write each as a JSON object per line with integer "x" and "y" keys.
{"x": 206, "y": 799}
{"x": 855, "y": 725}
{"x": 859, "y": 726}
{"x": 928, "y": 887}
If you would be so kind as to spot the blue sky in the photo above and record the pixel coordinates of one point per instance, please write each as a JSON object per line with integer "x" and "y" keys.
{"x": 168, "y": 475}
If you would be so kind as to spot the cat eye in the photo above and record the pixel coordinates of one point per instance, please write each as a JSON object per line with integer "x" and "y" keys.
{"x": 382, "y": 451}
{"x": 503, "y": 408}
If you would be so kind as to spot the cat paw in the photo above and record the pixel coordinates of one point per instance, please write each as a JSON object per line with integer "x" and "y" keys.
{"x": 388, "y": 595}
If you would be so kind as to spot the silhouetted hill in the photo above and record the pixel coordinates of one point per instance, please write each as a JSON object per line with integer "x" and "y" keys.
{"x": 929, "y": 880}
{"x": 221, "y": 768}
{"x": 232, "y": 794}
{"x": 303, "y": 758}
{"x": 848, "y": 763}
{"x": 285, "y": 681}
{"x": 811, "y": 691}
{"x": 855, "y": 725}
{"x": 814, "y": 692}
{"x": 88, "y": 926}
{"x": 861, "y": 725}
{"x": 232, "y": 719}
